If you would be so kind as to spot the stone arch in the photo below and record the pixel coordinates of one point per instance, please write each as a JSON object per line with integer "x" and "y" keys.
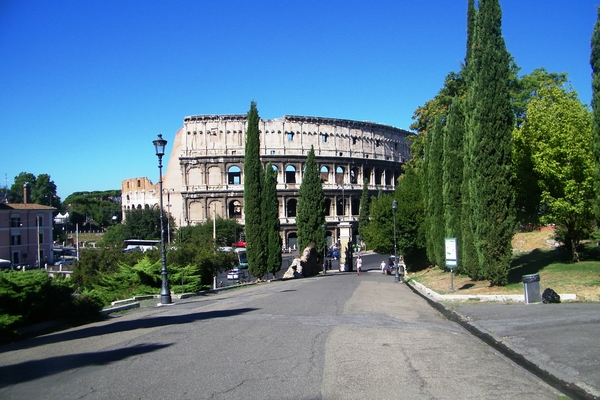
{"x": 291, "y": 207}
{"x": 235, "y": 209}
{"x": 194, "y": 177}
{"x": 378, "y": 176}
{"x": 354, "y": 175}
{"x": 327, "y": 206}
{"x": 196, "y": 212}
{"x": 339, "y": 175}
{"x": 292, "y": 240}
{"x": 214, "y": 176}
{"x": 389, "y": 177}
{"x": 324, "y": 171}
{"x": 354, "y": 206}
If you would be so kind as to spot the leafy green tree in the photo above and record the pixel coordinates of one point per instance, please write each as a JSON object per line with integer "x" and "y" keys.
{"x": 94, "y": 210}
{"x": 363, "y": 212}
{"x": 42, "y": 189}
{"x": 271, "y": 222}
{"x": 526, "y": 87}
{"x": 311, "y": 207}
{"x": 380, "y": 229}
{"x": 595, "y": 63}
{"x": 256, "y": 241}
{"x": 557, "y": 135}
{"x": 490, "y": 128}
{"x": 527, "y": 191}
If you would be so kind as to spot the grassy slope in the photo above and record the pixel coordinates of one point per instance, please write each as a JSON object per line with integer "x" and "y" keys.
{"x": 534, "y": 253}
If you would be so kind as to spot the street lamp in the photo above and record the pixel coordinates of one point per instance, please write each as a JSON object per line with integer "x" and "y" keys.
{"x": 165, "y": 292}
{"x": 323, "y": 227}
{"x": 397, "y": 276}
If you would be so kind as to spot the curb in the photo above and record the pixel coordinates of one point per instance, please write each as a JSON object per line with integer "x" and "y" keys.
{"x": 568, "y": 389}
{"x": 482, "y": 297}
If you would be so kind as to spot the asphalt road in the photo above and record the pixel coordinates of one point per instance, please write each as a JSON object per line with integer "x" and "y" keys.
{"x": 339, "y": 336}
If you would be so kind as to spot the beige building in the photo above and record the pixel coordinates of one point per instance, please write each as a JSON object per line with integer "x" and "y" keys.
{"x": 205, "y": 173}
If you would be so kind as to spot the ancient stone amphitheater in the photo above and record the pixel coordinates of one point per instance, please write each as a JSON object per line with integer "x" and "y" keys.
{"x": 205, "y": 174}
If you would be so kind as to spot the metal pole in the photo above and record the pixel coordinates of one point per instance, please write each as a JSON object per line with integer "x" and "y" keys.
{"x": 324, "y": 249}
{"x": 165, "y": 292}
{"x": 397, "y": 276}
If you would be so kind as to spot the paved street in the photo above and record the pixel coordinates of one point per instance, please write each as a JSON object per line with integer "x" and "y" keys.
{"x": 339, "y": 336}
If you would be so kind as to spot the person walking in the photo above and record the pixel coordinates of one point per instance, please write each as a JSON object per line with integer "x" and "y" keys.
{"x": 358, "y": 265}
{"x": 383, "y": 266}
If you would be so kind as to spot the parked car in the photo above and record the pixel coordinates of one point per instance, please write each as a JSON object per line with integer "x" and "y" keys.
{"x": 235, "y": 274}
{"x": 5, "y": 264}
{"x": 65, "y": 261}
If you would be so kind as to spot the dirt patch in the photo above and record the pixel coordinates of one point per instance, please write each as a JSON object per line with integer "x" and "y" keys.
{"x": 528, "y": 241}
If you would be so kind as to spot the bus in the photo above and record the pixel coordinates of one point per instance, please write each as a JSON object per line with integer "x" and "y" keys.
{"x": 242, "y": 260}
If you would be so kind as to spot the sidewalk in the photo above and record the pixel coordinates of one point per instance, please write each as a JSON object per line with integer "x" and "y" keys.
{"x": 560, "y": 343}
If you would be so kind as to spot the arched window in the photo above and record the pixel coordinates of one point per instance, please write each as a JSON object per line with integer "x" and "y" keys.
{"x": 290, "y": 174}
{"x": 291, "y": 207}
{"x": 339, "y": 175}
{"x": 324, "y": 173}
{"x": 234, "y": 175}
{"x": 235, "y": 209}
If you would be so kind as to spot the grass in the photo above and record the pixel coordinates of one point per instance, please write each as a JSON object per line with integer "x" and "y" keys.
{"x": 553, "y": 266}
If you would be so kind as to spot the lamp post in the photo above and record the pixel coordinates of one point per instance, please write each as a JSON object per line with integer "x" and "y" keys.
{"x": 165, "y": 292}
{"x": 397, "y": 276}
{"x": 323, "y": 227}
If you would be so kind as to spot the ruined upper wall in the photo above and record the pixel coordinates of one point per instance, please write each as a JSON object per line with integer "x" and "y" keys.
{"x": 213, "y": 135}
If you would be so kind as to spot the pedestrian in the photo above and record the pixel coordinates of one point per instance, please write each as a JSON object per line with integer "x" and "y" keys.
{"x": 358, "y": 264}
{"x": 383, "y": 266}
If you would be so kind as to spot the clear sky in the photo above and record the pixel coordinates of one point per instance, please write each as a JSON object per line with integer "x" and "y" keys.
{"x": 86, "y": 85}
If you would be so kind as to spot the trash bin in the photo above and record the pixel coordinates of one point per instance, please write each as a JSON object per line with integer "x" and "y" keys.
{"x": 533, "y": 294}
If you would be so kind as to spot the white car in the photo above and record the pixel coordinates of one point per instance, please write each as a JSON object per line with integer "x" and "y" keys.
{"x": 235, "y": 274}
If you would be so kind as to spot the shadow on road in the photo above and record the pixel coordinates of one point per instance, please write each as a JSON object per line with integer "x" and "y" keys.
{"x": 35, "y": 369}
{"x": 122, "y": 326}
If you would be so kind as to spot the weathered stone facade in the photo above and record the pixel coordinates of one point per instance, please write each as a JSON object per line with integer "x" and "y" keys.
{"x": 205, "y": 171}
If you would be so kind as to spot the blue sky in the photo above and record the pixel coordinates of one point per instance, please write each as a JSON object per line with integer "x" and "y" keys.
{"x": 85, "y": 86}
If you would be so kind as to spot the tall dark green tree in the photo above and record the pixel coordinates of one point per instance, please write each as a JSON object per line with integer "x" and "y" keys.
{"x": 490, "y": 130}
{"x": 270, "y": 212}
{"x": 311, "y": 207}
{"x": 253, "y": 187}
{"x": 467, "y": 252}
{"x": 410, "y": 215}
{"x": 595, "y": 63}
{"x": 452, "y": 169}
{"x": 434, "y": 220}
{"x": 363, "y": 212}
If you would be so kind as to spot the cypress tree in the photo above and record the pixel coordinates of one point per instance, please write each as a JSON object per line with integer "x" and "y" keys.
{"x": 311, "y": 207}
{"x": 253, "y": 187}
{"x": 491, "y": 124}
{"x": 363, "y": 212}
{"x": 468, "y": 259}
{"x": 452, "y": 167}
{"x": 435, "y": 208}
{"x": 270, "y": 211}
{"x": 595, "y": 63}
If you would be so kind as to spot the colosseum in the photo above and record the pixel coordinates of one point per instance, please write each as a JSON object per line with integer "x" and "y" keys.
{"x": 205, "y": 177}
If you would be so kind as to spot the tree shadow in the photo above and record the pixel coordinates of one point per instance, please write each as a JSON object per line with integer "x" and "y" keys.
{"x": 35, "y": 369}
{"x": 122, "y": 326}
{"x": 466, "y": 286}
{"x": 533, "y": 262}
